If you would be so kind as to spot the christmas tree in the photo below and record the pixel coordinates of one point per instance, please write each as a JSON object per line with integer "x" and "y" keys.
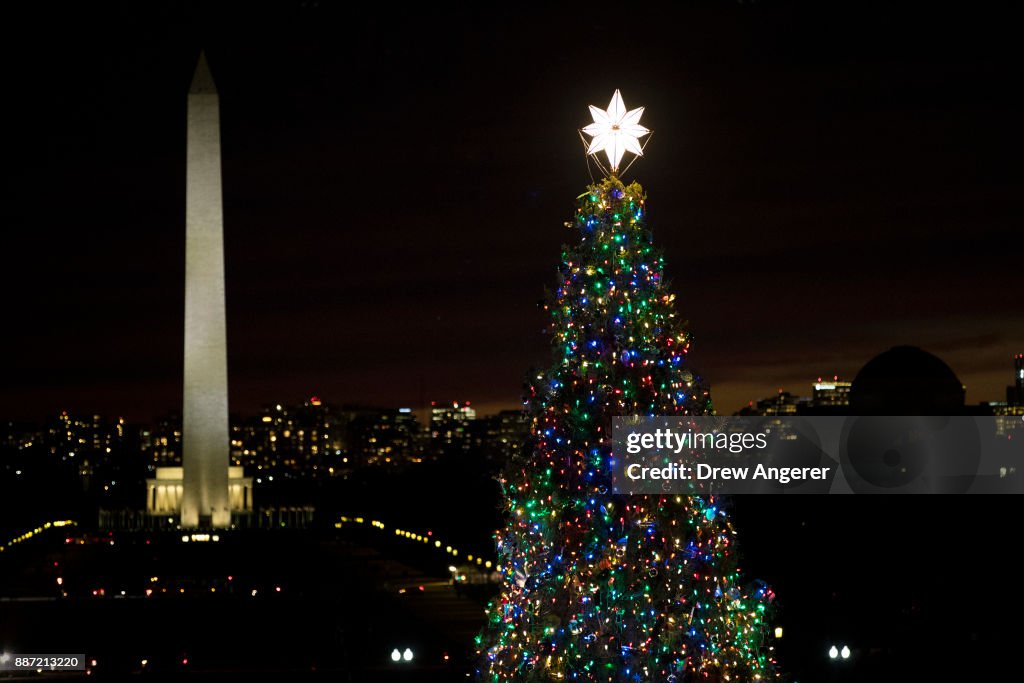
{"x": 597, "y": 586}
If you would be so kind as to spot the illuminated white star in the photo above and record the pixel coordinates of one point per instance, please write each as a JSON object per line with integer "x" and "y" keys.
{"x": 616, "y": 131}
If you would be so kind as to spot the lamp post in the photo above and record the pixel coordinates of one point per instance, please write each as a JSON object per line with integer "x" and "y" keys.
{"x": 838, "y": 655}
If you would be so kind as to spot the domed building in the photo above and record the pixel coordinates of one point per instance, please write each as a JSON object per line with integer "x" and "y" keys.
{"x": 906, "y": 380}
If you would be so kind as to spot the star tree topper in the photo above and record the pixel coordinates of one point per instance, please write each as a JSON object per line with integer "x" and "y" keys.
{"x": 616, "y": 131}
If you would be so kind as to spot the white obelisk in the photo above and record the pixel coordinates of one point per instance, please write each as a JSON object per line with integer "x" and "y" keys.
{"x": 205, "y": 444}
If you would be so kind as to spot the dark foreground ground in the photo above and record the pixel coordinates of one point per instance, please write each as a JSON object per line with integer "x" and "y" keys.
{"x": 297, "y": 604}
{"x": 918, "y": 587}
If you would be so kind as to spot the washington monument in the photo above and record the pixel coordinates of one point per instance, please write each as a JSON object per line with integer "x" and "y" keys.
{"x": 205, "y": 444}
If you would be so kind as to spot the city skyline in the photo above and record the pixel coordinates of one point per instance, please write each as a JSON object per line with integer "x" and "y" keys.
{"x": 422, "y": 411}
{"x": 822, "y": 390}
{"x": 883, "y": 182}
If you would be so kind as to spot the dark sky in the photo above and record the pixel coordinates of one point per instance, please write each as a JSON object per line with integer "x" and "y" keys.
{"x": 826, "y": 184}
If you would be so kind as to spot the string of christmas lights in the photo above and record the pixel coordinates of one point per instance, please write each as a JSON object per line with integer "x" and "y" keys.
{"x": 599, "y": 587}
{"x": 427, "y": 538}
{"x": 38, "y": 530}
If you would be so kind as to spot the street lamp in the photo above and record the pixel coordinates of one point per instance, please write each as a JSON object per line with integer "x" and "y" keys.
{"x": 839, "y": 653}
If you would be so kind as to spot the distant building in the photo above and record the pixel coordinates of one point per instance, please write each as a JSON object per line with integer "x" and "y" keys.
{"x": 450, "y": 428}
{"x": 828, "y": 393}
{"x": 18, "y": 436}
{"x": 783, "y": 403}
{"x": 93, "y": 446}
{"x": 904, "y": 380}
{"x": 290, "y": 439}
{"x": 77, "y": 438}
{"x": 1009, "y": 413}
{"x": 162, "y": 442}
{"x": 164, "y": 491}
{"x": 267, "y": 440}
{"x": 484, "y": 436}
{"x": 1015, "y": 392}
{"x": 384, "y": 437}
{"x": 513, "y": 432}
{"x": 500, "y": 437}
{"x": 316, "y": 432}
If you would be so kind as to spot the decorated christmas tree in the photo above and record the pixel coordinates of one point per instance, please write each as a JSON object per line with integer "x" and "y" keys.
{"x": 598, "y": 586}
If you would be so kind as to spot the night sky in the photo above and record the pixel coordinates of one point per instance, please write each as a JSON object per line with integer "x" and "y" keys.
{"x": 825, "y": 186}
